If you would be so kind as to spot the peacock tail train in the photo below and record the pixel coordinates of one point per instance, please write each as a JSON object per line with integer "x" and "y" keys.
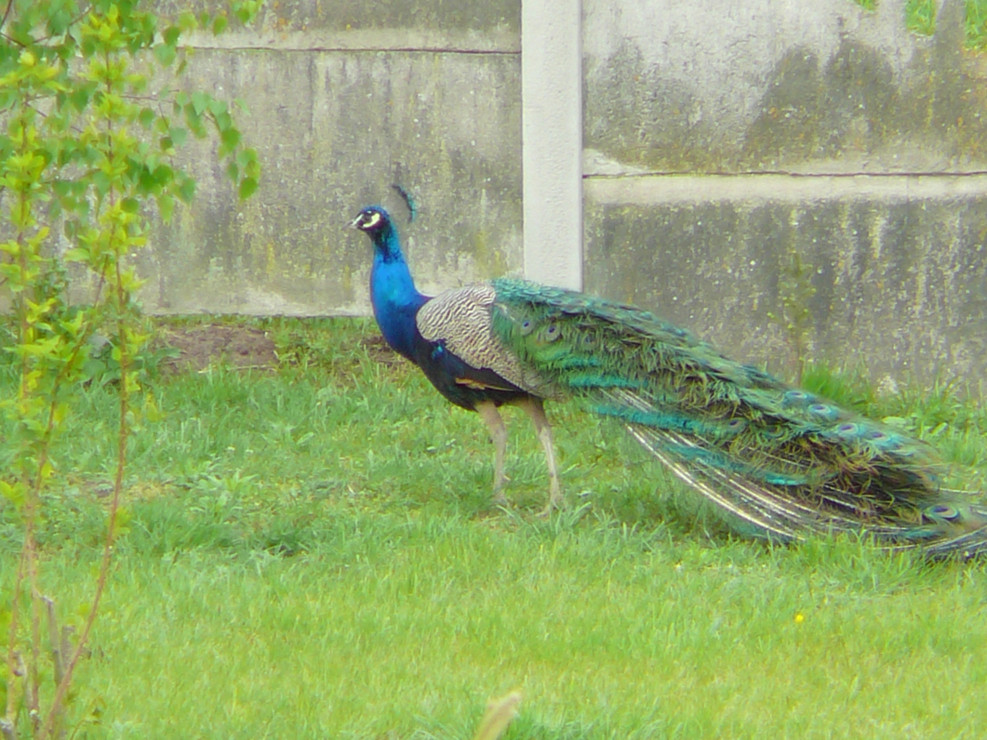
{"x": 777, "y": 457}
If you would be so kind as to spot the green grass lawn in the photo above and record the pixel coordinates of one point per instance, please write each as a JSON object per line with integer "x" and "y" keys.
{"x": 311, "y": 552}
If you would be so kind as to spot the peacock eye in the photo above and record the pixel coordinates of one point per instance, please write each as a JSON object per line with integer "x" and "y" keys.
{"x": 735, "y": 426}
{"x": 551, "y": 332}
{"x": 526, "y": 327}
{"x": 944, "y": 511}
{"x": 795, "y": 397}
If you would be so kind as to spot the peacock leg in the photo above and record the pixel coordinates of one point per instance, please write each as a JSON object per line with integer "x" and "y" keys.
{"x": 536, "y": 410}
{"x": 498, "y": 434}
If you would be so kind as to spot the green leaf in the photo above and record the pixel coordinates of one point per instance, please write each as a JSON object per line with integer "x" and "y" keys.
{"x": 219, "y": 24}
{"x": 186, "y": 189}
{"x": 101, "y": 181}
{"x": 246, "y": 157}
{"x": 146, "y": 117}
{"x": 230, "y": 138}
{"x": 246, "y": 10}
{"x": 178, "y": 135}
{"x": 76, "y": 254}
{"x": 166, "y": 207}
{"x": 171, "y": 35}
{"x": 194, "y": 121}
{"x": 13, "y": 492}
{"x": 187, "y": 21}
{"x": 61, "y": 188}
{"x": 200, "y": 102}
{"x": 165, "y": 54}
{"x": 163, "y": 174}
{"x": 80, "y": 96}
{"x": 248, "y": 186}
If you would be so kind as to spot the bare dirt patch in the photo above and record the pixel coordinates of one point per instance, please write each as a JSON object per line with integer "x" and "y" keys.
{"x": 378, "y": 350}
{"x": 194, "y": 348}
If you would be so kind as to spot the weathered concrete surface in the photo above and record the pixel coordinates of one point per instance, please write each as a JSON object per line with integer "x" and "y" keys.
{"x": 900, "y": 280}
{"x": 344, "y": 100}
{"x": 319, "y": 25}
{"x": 844, "y": 106}
{"x": 765, "y": 85}
{"x": 333, "y": 131}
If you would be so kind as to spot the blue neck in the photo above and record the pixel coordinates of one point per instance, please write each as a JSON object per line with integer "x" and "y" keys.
{"x": 393, "y": 294}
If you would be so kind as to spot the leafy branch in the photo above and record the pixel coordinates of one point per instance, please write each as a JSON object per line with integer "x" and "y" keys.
{"x": 89, "y": 147}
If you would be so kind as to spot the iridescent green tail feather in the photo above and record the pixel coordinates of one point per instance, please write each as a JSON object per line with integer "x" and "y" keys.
{"x": 777, "y": 457}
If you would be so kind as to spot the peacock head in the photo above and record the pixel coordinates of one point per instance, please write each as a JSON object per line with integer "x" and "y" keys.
{"x": 373, "y": 221}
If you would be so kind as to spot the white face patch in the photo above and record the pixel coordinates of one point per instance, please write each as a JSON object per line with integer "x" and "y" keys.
{"x": 367, "y": 221}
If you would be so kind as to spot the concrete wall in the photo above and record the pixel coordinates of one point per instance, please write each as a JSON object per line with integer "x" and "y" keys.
{"x": 345, "y": 99}
{"x": 720, "y": 138}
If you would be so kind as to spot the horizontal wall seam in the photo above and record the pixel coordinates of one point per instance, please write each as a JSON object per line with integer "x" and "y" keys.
{"x": 782, "y": 173}
{"x": 358, "y": 49}
{"x": 656, "y": 189}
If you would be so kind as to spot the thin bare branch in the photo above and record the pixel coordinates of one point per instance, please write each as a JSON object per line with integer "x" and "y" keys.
{"x": 6, "y": 13}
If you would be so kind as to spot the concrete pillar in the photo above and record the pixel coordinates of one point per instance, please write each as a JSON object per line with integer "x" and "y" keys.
{"x": 551, "y": 95}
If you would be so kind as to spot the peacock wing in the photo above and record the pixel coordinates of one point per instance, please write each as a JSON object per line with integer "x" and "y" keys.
{"x": 461, "y": 320}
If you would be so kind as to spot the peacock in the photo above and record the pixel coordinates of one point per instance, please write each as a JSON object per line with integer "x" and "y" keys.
{"x": 783, "y": 461}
